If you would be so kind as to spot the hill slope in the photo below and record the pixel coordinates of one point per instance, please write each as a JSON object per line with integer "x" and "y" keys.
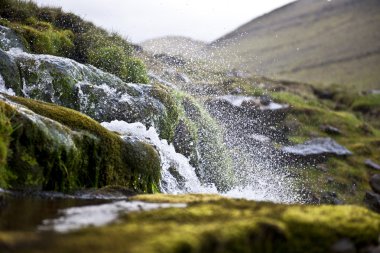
{"x": 174, "y": 45}
{"x": 320, "y": 42}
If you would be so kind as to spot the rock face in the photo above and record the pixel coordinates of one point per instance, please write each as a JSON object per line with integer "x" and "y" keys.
{"x": 316, "y": 149}
{"x": 58, "y": 149}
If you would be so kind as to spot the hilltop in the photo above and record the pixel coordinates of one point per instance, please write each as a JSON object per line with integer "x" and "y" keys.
{"x": 319, "y": 42}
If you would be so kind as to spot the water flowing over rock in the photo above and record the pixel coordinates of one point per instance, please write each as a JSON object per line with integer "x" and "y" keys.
{"x": 104, "y": 97}
{"x": 177, "y": 175}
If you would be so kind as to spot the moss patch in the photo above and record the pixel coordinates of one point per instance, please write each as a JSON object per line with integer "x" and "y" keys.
{"x": 214, "y": 224}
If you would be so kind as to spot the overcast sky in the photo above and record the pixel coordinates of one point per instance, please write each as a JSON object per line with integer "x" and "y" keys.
{"x": 140, "y": 20}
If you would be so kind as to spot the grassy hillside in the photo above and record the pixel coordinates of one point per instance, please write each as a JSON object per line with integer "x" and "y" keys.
{"x": 320, "y": 42}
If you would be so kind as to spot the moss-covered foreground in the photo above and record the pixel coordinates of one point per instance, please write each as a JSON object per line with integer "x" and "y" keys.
{"x": 213, "y": 224}
{"x": 62, "y": 150}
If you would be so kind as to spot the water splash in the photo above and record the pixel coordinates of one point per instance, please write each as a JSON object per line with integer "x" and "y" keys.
{"x": 178, "y": 176}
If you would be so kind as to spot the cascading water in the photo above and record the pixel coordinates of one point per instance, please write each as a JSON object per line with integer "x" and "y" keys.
{"x": 178, "y": 176}
{"x": 258, "y": 173}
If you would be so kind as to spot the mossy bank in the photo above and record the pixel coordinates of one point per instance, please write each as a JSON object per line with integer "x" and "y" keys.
{"x": 214, "y": 224}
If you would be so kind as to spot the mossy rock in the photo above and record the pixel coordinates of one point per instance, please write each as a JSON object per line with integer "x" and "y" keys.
{"x": 9, "y": 39}
{"x": 55, "y": 148}
{"x": 10, "y": 73}
{"x": 214, "y": 224}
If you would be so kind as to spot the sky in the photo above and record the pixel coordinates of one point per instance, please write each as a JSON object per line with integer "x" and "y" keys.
{"x": 140, "y": 20}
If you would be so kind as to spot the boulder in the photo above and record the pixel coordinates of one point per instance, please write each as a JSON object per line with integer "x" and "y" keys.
{"x": 316, "y": 149}
{"x": 373, "y": 201}
{"x": 375, "y": 183}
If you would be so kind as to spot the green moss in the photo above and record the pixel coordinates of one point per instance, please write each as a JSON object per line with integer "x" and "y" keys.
{"x": 367, "y": 103}
{"x": 5, "y": 139}
{"x": 97, "y": 157}
{"x": 213, "y": 224}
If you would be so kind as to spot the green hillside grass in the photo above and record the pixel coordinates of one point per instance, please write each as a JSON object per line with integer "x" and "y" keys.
{"x": 317, "y": 42}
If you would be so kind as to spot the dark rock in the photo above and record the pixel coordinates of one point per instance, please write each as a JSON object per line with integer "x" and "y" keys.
{"x": 372, "y": 200}
{"x": 375, "y": 183}
{"x": 265, "y": 100}
{"x": 9, "y": 73}
{"x": 371, "y": 164}
{"x": 324, "y": 94}
{"x": 330, "y": 129}
{"x": 330, "y": 198}
{"x": 170, "y": 60}
{"x": 316, "y": 149}
{"x": 344, "y": 245}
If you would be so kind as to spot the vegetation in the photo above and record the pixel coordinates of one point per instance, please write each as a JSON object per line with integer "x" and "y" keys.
{"x": 51, "y": 31}
{"x": 214, "y": 224}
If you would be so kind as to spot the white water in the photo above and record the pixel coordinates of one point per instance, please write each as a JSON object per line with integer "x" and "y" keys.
{"x": 4, "y": 89}
{"x": 172, "y": 163}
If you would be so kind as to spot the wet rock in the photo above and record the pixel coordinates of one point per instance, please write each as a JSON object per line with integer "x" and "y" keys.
{"x": 330, "y": 198}
{"x": 371, "y": 164}
{"x": 375, "y": 183}
{"x": 344, "y": 245}
{"x": 316, "y": 150}
{"x": 372, "y": 200}
{"x": 9, "y": 39}
{"x": 265, "y": 100}
{"x": 9, "y": 73}
{"x": 330, "y": 129}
